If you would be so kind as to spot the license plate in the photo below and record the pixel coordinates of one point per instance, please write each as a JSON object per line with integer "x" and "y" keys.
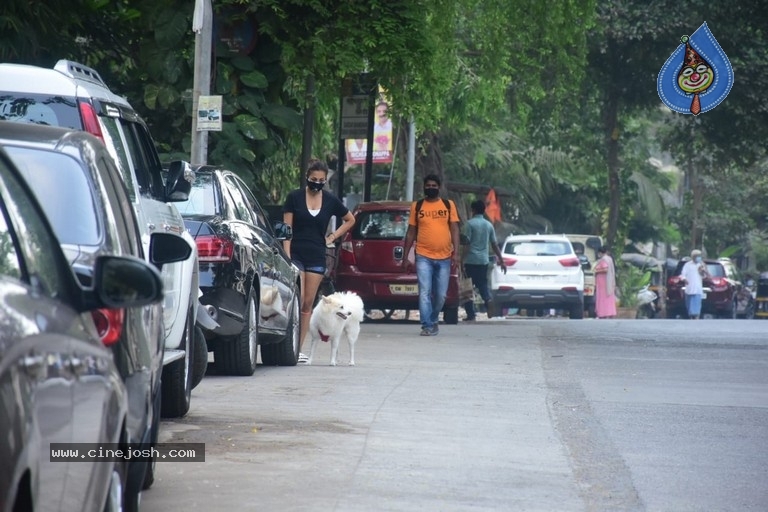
{"x": 404, "y": 289}
{"x": 537, "y": 278}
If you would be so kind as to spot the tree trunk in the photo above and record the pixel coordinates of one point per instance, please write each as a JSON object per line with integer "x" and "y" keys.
{"x": 612, "y": 159}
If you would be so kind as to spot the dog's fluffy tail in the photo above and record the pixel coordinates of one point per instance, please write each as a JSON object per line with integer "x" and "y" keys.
{"x": 355, "y": 305}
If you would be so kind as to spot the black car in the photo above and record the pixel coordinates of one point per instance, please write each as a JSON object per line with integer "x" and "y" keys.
{"x": 77, "y": 184}
{"x": 58, "y": 381}
{"x": 248, "y": 282}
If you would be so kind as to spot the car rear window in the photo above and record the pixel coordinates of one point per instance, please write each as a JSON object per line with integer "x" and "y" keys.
{"x": 537, "y": 248}
{"x": 40, "y": 109}
{"x": 64, "y": 192}
{"x": 381, "y": 225}
{"x": 714, "y": 269}
{"x": 201, "y": 198}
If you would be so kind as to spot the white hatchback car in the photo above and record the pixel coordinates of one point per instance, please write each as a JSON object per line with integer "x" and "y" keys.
{"x": 543, "y": 272}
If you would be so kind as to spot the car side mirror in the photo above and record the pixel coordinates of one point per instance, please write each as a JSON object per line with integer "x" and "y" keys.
{"x": 126, "y": 282}
{"x": 167, "y": 248}
{"x": 178, "y": 184}
{"x": 283, "y": 231}
{"x": 584, "y": 261}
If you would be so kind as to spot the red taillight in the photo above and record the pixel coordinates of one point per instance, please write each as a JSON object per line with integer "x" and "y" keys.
{"x": 346, "y": 254}
{"x": 570, "y": 262}
{"x": 674, "y": 281}
{"x": 506, "y": 287}
{"x": 90, "y": 120}
{"x": 214, "y": 249}
{"x": 719, "y": 284}
{"x": 509, "y": 262}
{"x": 109, "y": 324}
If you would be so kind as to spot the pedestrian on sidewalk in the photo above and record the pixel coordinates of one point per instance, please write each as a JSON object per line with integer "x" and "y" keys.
{"x": 434, "y": 226}
{"x": 308, "y": 211}
{"x": 482, "y": 236}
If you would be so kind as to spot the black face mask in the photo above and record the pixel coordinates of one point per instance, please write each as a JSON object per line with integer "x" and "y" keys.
{"x": 431, "y": 193}
{"x": 315, "y": 186}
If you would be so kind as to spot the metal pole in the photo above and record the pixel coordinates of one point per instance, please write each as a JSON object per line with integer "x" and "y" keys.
{"x": 203, "y": 27}
{"x": 410, "y": 171}
{"x": 369, "y": 144}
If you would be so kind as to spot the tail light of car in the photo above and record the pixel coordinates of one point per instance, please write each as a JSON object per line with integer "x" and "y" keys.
{"x": 506, "y": 287}
{"x": 570, "y": 262}
{"x": 570, "y": 289}
{"x": 109, "y": 324}
{"x": 674, "y": 281}
{"x": 719, "y": 284}
{"x": 347, "y": 254}
{"x": 214, "y": 249}
{"x": 509, "y": 262}
{"x": 90, "y": 120}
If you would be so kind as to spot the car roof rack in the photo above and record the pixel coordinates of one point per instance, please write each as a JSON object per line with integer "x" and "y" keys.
{"x": 80, "y": 71}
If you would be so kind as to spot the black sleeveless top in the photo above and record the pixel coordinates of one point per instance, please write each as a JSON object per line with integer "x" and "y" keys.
{"x": 308, "y": 242}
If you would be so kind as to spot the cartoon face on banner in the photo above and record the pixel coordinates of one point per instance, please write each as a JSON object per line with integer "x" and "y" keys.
{"x": 697, "y": 76}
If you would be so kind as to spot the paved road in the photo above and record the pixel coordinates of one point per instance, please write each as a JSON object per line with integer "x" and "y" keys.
{"x": 514, "y": 415}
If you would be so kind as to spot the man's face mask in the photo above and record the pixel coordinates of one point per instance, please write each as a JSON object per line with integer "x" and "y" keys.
{"x": 315, "y": 186}
{"x": 431, "y": 193}
{"x": 698, "y": 259}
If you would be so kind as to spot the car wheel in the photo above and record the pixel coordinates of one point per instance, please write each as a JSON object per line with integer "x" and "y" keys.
{"x": 451, "y": 315}
{"x": 577, "y": 311}
{"x": 237, "y": 355}
{"x": 285, "y": 353}
{"x": 177, "y": 376}
{"x": 199, "y": 357}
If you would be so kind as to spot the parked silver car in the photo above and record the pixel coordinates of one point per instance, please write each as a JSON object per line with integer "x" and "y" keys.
{"x": 58, "y": 382}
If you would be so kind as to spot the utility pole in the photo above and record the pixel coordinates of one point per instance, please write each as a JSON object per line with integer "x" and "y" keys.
{"x": 202, "y": 25}
{"x": 411, "y": 167}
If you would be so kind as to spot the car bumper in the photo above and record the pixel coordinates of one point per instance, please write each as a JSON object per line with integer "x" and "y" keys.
{"x": 537, "y": 298}
{"x": 227, "y": 307}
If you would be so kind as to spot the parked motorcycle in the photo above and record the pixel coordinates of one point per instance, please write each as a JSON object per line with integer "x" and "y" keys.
{"x": 646, "y": 303}
{"x": 744, "y": 300}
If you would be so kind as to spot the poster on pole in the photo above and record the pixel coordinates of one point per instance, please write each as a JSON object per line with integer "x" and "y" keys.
{"x": 209, "y": 113}
{"x": 382, "y": 137}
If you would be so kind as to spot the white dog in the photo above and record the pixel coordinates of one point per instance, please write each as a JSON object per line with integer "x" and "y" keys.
{"x": 335, "y": 316}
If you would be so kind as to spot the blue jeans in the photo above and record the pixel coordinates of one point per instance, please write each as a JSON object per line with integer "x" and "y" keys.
{"x": 433, "y": 285}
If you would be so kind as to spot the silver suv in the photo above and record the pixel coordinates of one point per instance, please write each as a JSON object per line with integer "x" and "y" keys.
{"x": 74, "y": 96}
{"x": 543, "y": 272}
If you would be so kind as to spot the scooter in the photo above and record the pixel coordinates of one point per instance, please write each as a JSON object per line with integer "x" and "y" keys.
{"x": 646, "y": 303}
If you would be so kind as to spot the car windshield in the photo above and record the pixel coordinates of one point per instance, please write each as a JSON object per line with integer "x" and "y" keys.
{"x": 537, "y": 248}
{"x": 716, "y": 270}
{"x": 201, "y": 200}
{"x": 70, "y": 209}
{"x": 381, "y": 225}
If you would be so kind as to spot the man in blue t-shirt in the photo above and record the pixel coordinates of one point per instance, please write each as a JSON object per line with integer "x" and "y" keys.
{"x": 476, "y": 257}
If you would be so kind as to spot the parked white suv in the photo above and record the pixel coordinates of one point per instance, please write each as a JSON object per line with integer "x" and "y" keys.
{"x": 543, "y": 272}
{"x": 75, "y": 96}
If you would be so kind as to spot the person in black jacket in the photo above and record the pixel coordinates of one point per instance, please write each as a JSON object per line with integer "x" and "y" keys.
{"x": 308, "y": 211}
